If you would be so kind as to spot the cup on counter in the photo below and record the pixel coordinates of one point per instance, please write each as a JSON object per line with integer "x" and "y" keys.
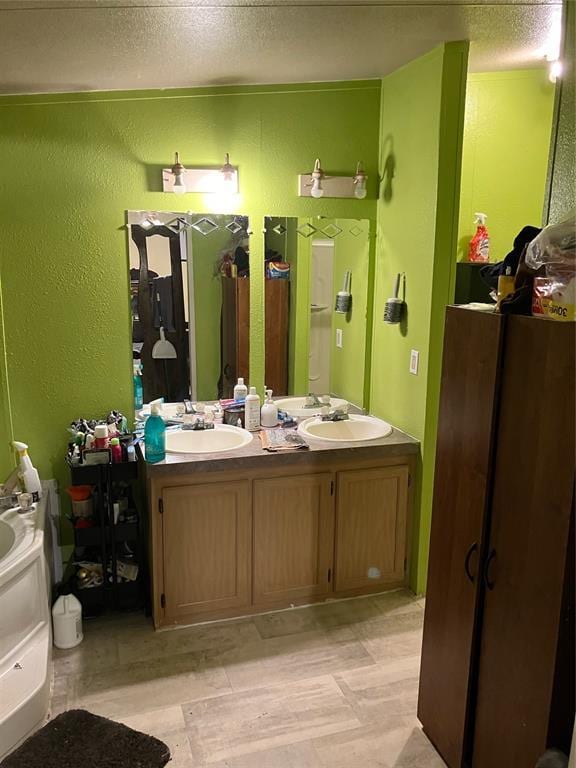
{"x": 25, "y": 500}
{"x": 233, "y": 413}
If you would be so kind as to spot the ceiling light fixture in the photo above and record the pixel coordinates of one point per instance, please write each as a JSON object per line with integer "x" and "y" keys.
{"x": 360, "y": 180}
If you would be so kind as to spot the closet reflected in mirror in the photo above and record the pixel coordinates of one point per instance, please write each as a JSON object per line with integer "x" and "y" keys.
{"x": 319, "y": 262}
{"x": 190, "y": 302}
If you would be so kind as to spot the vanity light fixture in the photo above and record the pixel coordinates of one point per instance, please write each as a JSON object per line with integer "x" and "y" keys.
{"x": 222, "y": 180}
{"x": 178, "y": 170}
{"x": 360, "y": 180}
{"x": 318, "y": 184}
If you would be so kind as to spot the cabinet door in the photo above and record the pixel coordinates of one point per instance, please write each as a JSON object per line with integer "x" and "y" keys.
{"x": 529, "y": 540}
{"x": 464, "y": 448}
{"x": 293, "y": 537}
{"x": 206, "y": 547}
{"x": 371, "y": 516}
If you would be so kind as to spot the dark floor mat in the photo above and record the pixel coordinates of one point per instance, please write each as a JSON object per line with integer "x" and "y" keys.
{"x": 78, "y": 739}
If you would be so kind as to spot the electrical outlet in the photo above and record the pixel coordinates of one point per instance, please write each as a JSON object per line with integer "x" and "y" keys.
{"x": 339, "y": 338}
{"x": 414, "y": 360}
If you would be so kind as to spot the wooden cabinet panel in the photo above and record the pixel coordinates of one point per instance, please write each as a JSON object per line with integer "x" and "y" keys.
{"x": 206, "y": 547}
{"x": 293, "y": 537}
{"x": 277, "y": 302}
{"x": 470, "y": 374}
{"x": 529, "y": 537}
{"x": 371, "y": 517}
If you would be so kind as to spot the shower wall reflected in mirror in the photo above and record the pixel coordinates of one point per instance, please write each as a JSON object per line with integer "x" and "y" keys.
{"x": 324, "y": 350}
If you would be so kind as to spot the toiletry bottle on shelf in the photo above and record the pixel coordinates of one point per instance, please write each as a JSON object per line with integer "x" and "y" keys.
{"x": 252, "y": 411}
{"x": 269, "y": 411}
{"x": 138, "y": 389}
{"x": 479, "y": 248}
{"x": 116, "y": 449}
{"x": 155, "y": 436}
{"x": 101, "y": 436}
{"x": 28, "y": 472}
{"x": 240, "y": 390}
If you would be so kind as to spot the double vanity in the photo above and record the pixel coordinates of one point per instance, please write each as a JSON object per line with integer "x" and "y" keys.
{"x": 236, "y": 530}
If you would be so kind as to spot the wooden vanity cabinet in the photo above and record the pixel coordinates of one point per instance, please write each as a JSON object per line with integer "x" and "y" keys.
{"x": 371, "y": 519}
{"x": 293, "y": 537}
{"x": 207, "y": 547}
{"x": 231, "y": 543}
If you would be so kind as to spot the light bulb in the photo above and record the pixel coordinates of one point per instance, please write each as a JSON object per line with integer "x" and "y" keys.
{"x": 555, "y": 70}
{"x": 317, "y": 176}
{"x": 228, "y": 180}
{"x": 179, "y": 185}
{"x": 317, "y": 190}
{"x": 360, "y": 179}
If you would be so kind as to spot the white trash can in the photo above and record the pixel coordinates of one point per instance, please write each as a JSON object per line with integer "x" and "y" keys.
{"x": 67, "y": 621}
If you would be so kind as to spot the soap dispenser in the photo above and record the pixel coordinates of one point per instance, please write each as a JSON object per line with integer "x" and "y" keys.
{"x": 269, "y": 411}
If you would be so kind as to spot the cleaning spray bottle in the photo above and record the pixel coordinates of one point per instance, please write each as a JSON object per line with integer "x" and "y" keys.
{"x": 29, "y": 474}
{"x": 478, "y": 250}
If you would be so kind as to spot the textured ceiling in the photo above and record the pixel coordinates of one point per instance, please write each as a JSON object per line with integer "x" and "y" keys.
{"x": 70, "y": 45}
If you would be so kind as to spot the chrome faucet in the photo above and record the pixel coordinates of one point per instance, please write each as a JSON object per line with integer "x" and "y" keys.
{"x": 338, "y": 414}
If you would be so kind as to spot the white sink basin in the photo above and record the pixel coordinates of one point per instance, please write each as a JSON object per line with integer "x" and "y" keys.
{"x": 294, "y": 406}
{"x": 222, "y": 438}
{"x": 353, "y": 430}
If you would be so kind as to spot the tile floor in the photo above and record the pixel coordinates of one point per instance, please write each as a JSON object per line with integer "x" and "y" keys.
{"x": 332, "y": 685}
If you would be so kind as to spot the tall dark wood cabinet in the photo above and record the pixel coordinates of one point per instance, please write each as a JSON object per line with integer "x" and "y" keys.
{"x": 236, "y": 333}
{"x": 496, "y": 683}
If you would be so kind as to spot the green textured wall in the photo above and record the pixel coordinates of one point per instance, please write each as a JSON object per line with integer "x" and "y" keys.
{"x": 507, "y": 128}
{"x": 421, "y": 134}
{"x": 206, "y": 252}
{"x": 351, "y": 252}
{"x": 71, "y": 166}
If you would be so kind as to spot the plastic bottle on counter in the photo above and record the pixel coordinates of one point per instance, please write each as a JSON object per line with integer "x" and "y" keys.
{"x": 252, "y": 411}
{"x": 138, "y": 388}
{"x": 269, "y": 411}
{"x": 155, "y": 436}
{"x": 240, "y": 390}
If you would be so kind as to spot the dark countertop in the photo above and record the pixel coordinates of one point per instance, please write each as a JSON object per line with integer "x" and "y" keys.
{"x": 252, "y": 456}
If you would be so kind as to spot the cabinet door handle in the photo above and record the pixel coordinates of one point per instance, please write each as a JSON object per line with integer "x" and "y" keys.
{"x": 491, "y": 556}
{"x": 473, "y": 548}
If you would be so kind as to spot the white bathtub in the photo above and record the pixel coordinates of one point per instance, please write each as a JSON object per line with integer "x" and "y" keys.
{"x": 25, "y": 630}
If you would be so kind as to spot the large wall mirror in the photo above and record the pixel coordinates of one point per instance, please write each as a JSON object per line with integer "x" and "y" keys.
{"x": 189, "y": 283}
{"x": 311, "y": 347}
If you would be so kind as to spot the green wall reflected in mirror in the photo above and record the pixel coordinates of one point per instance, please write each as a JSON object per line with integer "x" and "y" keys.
{"x": 324, "y": 350}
